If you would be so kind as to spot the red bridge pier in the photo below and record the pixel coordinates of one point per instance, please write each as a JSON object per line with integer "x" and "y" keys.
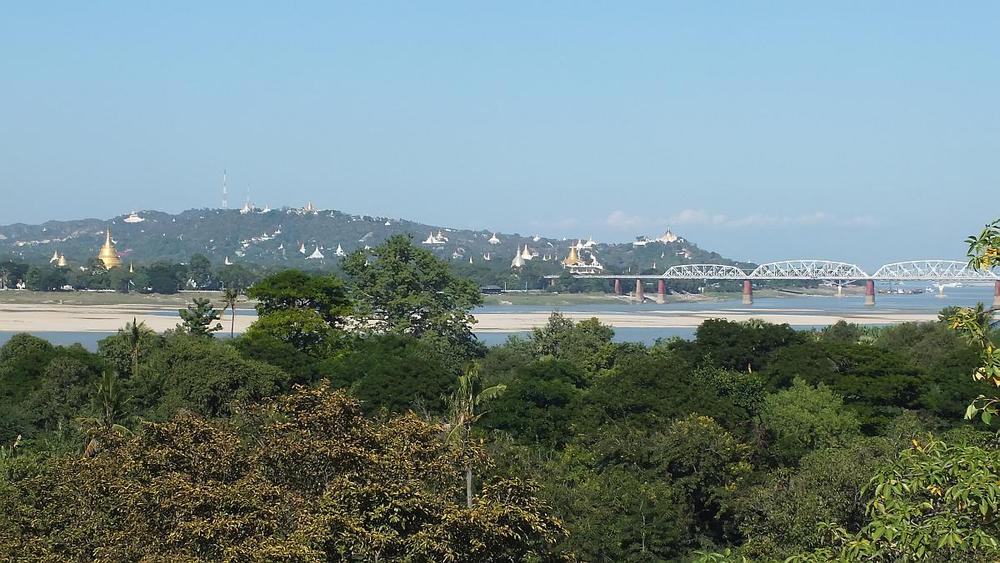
{"x": 870, "y": 292}
{"x": 747, "y": 292}
{"x": 996, "y": 293}
{"x": 618, "y": 286}
{"x": 661, "y": 291}
{"x": 638, "y": 290}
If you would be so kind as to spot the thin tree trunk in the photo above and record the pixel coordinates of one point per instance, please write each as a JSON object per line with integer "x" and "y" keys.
{"x": 468, "y": 486}
{"x": 232, "y": 327}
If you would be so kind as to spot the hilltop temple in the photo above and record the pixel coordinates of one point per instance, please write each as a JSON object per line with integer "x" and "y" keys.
{"x": 108, "y": 255}
{"x": 576, "y": 263}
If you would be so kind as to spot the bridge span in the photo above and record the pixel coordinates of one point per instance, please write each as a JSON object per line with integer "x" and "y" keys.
{"x": 940, "y": 271}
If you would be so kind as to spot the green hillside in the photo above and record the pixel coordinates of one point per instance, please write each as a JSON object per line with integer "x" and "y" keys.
{"x": 286, "y": 237}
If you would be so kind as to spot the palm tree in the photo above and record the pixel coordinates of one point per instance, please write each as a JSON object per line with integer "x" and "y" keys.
{"x": 134, "y": 333}
{"x": 230, "y": 296}
{"x": 463, "y": 409}
{"x": 112, "y": 413}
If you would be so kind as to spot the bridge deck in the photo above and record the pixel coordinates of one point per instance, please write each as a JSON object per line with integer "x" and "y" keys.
{"x": 821, "y": 270}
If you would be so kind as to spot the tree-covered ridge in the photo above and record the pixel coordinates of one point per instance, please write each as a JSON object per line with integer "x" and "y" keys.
{"x": 274, "y": 238}
{"x": 308, "y": 439}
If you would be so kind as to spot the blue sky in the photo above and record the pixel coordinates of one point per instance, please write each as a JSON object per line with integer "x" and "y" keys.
{"x": 861, "y": 131}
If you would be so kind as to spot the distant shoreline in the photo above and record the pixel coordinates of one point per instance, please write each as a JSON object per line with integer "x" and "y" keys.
{"x": 49, "y": 317}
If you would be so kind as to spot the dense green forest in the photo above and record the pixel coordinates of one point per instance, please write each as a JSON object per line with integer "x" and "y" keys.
{"x": 359, "y": 419}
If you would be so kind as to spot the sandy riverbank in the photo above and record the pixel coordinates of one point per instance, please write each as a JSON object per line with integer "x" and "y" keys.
{"x": 500, "y": 322}
{"x": 91, "y": 318}
{"x": 109, "y": 318}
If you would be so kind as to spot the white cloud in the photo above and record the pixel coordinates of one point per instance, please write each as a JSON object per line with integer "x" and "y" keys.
{"x": 697, "y": 217}
{"x": 621, "y": 220}
{"x": 566, "y": 223}
{"x": 708, "y": 218}
{"x": 862, "y": 221}
{"x": 625, "y": 221}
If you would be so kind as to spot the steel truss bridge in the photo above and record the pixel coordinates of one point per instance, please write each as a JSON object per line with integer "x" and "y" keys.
{"x": 823, "y": 270}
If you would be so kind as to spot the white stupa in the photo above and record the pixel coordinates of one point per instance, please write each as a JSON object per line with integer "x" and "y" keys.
{"x": 518, "y": 261}
{"x": 435, "y": 239}
{"x": 133, "y": 218}
{"x": 302, "y": 248}
{"x": 316, "y": 255}
{"x": 55, "y": 257}
{"x": 494, "y": 239}
{"x": 340, "y": 251}
{"x": 526, "y": 254}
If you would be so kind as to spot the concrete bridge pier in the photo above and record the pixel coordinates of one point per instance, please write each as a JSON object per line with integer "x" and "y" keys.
{"x": 870, "y": 292}
{"x": 747, "y": 292}
{"x": 996, "y": 293}
{"x": 618, "y": 286}
{"x": 638, "y": 290}
{"x": 661, "y": 291}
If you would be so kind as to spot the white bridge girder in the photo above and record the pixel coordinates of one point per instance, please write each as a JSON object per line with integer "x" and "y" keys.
{"x": 704, "y": 272}
{"x": 932, "y": 270}
{"x": 824, "y": 270}
{"x": 808, "y": 270}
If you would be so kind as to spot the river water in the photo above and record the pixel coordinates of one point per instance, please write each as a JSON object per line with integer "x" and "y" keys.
{"x": 928, "y": 302}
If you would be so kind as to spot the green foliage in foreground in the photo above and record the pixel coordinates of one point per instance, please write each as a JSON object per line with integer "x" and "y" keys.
{"x": 750, "y": 442}
{"x": 936, "y": 502}
{"x": 306, "y": 478}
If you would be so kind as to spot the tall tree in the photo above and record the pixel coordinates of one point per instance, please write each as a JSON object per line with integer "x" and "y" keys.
{"x": 465, "y": 411}
{"x": 293, "y": 289}
{"x": 134, "y": 332}
{"x": 198, "y": 318}
{"x": 230, "y": 296}
{"x": 399, "y": 287}
{"x": 111, "y": 404}
{"x": 200, "y": 272}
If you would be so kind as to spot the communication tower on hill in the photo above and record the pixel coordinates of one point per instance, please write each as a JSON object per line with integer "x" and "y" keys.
{"x": 225, "y": 193}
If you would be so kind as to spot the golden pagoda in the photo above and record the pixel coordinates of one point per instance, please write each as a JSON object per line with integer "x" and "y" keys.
{"x": 572, "y": 259}
{"x": 61, "y": 262}
{"x": 108, "y": 255}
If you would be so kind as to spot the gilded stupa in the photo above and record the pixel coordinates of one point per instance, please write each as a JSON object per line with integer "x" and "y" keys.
{"x": 573, "y": 259}
{"x": 108, "y": 255}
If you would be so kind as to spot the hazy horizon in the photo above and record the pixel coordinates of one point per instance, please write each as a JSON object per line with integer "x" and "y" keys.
{"x": 856, "y": 132}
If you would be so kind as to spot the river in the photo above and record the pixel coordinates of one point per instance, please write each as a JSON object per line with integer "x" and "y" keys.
{"x": 928, "y": 302}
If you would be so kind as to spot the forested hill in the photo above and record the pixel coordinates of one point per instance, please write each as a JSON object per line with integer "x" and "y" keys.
{"x": 275, "y": 237}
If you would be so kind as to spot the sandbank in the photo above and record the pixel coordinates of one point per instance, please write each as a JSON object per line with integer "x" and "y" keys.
{"x": 110, "y": 318}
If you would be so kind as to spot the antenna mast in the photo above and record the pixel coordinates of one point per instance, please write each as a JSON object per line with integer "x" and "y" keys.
{"x": 225, "y": 193}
